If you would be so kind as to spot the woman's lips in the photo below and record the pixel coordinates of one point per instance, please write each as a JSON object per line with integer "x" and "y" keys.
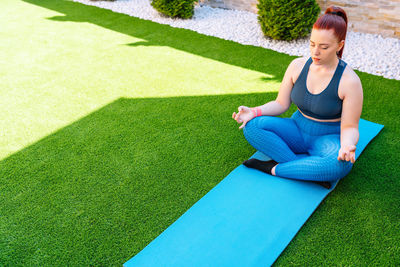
{"x": 315, "y": 59}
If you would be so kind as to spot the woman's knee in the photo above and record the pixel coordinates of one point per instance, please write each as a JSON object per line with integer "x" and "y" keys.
{"x": 256, "y": 126}
{"x": 338, "y": 169}
{"x": 345, "y": 167}
{"x": 251, "y": 128}
{"x": 261, "y": 123}
{"x": 327, "y": 147}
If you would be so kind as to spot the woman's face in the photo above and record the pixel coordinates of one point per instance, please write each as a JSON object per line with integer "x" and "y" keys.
{"x": 324, "y": 46}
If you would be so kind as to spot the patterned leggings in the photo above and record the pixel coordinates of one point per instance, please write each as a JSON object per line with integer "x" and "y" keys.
{"x": 305, "y": 149}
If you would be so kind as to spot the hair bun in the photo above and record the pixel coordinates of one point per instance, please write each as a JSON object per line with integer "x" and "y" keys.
{"x": 334, "y": 10}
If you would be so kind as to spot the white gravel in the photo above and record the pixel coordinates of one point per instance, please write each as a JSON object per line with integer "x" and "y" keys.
{"x": 370, "y": 53}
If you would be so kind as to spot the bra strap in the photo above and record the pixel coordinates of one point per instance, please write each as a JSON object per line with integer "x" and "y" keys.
{"x": 304, "y": 71}
{"x": 338, "y": 73}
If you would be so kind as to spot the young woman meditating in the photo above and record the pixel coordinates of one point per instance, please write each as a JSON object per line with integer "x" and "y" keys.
{"x": 318, "y": 142}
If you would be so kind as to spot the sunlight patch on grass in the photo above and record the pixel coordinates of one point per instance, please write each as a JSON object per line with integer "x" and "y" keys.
{"x": 56, "y": 71}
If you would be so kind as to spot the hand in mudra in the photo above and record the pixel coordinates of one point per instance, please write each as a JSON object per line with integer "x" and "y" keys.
{"x": 347, "y": 153}
{"x": 243, "y": 116}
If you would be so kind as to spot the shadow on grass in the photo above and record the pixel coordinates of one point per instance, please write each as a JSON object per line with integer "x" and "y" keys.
{"x": 249, "y": 57}
{"x": 99, "y": 190}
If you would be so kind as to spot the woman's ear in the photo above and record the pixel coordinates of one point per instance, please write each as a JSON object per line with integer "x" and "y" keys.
{"x": 341, "y": 44}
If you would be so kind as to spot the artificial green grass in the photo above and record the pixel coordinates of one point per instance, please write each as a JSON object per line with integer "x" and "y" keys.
{"x": 115, "y": 126}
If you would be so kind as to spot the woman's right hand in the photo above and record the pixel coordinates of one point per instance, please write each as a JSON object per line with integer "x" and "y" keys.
{"x": 243, "y": 116}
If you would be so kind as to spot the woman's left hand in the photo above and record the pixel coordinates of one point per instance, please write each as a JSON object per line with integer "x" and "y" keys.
{"x": 347, "y": 153}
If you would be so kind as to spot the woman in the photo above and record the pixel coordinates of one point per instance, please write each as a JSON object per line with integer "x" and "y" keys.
{"x": 318, "y": 142}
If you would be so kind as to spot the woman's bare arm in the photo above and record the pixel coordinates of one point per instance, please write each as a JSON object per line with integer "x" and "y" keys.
{"x": 351, "y": 112}
{"x": 282, "y": 102}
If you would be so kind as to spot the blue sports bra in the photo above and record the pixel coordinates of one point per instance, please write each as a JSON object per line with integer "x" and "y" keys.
{"x": 325, "y": 105}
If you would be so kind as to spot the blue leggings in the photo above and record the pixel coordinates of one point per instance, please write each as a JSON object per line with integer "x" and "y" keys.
{"x": 305, "y": 149}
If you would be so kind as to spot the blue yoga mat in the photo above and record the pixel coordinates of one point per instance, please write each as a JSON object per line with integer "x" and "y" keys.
{"x": 246, "y": 220}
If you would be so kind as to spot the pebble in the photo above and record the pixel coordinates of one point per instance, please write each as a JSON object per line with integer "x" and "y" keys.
{"x": 365, "y": 52}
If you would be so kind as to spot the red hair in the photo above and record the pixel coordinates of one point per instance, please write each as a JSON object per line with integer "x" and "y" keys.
{"x": 334, "y": 18}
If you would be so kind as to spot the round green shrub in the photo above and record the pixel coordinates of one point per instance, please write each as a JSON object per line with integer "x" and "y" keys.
{"x": 287, "y": 19}
{"x": 175, "y": 8}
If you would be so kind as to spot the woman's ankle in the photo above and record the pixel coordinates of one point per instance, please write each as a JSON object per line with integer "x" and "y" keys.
{"x": 273, "y": 170}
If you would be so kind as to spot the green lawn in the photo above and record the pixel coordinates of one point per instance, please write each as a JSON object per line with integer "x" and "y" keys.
{"x": 112, "y": 127}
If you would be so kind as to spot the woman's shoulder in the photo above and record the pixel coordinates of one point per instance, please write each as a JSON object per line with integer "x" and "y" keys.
{"x": 350, "y": 82}
{"x": 299, "y": 62}
{"x": 350, "y": 77}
